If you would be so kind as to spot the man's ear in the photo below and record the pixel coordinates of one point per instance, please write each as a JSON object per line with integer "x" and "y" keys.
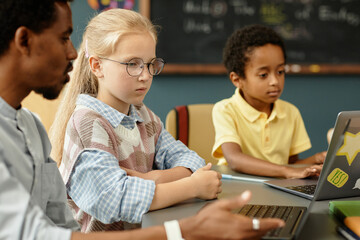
{"x": 22, "y": 39}
{"x": 96, "y": 67}
{"x": 236, "y": 79}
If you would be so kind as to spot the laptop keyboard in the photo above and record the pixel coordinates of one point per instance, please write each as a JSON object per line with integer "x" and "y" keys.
{"x": 289, "y": 214}
{"x": 308, "y": 189}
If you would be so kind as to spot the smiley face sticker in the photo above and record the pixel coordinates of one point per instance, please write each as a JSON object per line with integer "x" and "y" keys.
{"x": 338, "y": 177}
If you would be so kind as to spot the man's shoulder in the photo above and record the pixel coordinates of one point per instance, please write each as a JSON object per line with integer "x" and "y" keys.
{"x": 32, "y": 117}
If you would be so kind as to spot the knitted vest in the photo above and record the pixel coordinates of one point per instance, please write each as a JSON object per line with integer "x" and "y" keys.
{"x": 134, "y": 149}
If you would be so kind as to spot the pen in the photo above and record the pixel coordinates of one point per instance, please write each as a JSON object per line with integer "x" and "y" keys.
{"x": 248, "y": 179}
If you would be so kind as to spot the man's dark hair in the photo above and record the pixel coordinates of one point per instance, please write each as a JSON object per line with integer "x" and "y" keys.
{"x": 243, "y": 41}
{"x": 36, "y": 15}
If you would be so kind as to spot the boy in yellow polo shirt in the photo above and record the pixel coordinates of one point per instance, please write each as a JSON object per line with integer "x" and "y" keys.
{"x": 256, "y": 132}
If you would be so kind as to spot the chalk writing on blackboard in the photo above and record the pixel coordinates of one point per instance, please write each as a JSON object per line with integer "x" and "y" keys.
{"x": 317, "y": 33}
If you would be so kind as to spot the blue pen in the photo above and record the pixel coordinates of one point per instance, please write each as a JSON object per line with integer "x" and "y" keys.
{"x": 248, "y": 179}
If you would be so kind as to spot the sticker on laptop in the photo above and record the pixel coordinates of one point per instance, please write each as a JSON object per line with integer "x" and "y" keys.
{"x": 351, "y": 147}
{"x": 357, "y": 184}
{"x": 338, "y": 177}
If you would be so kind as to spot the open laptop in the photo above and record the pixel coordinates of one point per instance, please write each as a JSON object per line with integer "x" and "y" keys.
{"x": 340, "y": 176}
{"x": 293, "y": 216}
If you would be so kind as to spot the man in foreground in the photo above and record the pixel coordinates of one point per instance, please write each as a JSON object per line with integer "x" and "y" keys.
{"x": 35, "y": 55}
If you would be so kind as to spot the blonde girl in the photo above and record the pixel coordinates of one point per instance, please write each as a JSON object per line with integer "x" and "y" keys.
{"x": 115, "y": 157}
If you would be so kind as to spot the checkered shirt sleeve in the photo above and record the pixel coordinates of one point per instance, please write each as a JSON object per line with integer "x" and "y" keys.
{"x": 102, "y": 189}
{"x": 170, "y": 153}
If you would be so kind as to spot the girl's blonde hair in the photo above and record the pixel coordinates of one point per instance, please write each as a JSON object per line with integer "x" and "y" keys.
{"x": 100, "y": 38}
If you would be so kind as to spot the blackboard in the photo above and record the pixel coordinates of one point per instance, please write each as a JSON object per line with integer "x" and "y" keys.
{"x": 321, "y": 36}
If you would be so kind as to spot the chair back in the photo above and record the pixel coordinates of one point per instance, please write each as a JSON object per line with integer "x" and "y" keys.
{"x": 45, "y": 109}
{"x": 192, "y": 124}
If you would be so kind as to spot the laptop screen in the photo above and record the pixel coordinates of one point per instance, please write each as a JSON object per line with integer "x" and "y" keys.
{"x": 340, "y": 176}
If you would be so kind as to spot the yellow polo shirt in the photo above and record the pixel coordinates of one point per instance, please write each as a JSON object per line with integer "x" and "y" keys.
{"x": 274, "y": 138}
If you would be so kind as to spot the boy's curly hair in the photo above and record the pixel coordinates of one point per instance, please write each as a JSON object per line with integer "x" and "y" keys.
{"x": 243, "y": 41}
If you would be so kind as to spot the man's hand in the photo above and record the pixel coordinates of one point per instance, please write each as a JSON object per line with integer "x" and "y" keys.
{"x": 216, "y": 221}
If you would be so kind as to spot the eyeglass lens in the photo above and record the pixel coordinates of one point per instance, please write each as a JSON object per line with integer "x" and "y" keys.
{"x": 135, "y": 66}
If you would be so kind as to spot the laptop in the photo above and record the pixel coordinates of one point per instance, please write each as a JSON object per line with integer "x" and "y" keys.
{"x": 293, "y": 216}
{"x": 340, "y": 176}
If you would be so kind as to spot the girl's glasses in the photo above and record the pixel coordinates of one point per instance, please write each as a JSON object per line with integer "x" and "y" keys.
{"x": 135, "y": 66}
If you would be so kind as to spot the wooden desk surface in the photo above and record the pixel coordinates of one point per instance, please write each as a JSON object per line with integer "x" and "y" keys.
{"x": 319, "y": 225}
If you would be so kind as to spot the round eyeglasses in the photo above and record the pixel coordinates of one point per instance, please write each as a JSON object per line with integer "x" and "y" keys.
{"x": 135, "y": 66}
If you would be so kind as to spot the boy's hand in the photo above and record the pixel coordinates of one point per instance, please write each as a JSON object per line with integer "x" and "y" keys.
{"x": 319, "y": 157}
{"x": 303, "y": 172}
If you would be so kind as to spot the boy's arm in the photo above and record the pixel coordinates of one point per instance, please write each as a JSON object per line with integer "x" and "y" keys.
{"x": 244, "y": 163}
{"x": 317, "y": 158}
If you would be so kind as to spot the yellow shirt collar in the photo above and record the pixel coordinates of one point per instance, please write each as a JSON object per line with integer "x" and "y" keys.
{"x": 251, "y": 113}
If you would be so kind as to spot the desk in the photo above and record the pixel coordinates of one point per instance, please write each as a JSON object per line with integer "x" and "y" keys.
{"x": 319, "y": 225}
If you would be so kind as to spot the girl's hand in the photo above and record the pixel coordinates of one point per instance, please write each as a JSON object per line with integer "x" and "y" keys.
{"x": 206, "y": 182}
{"x": 303, "y": 172}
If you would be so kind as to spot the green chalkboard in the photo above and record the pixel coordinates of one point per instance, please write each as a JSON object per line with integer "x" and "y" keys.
{"x": 321, "y": 36}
